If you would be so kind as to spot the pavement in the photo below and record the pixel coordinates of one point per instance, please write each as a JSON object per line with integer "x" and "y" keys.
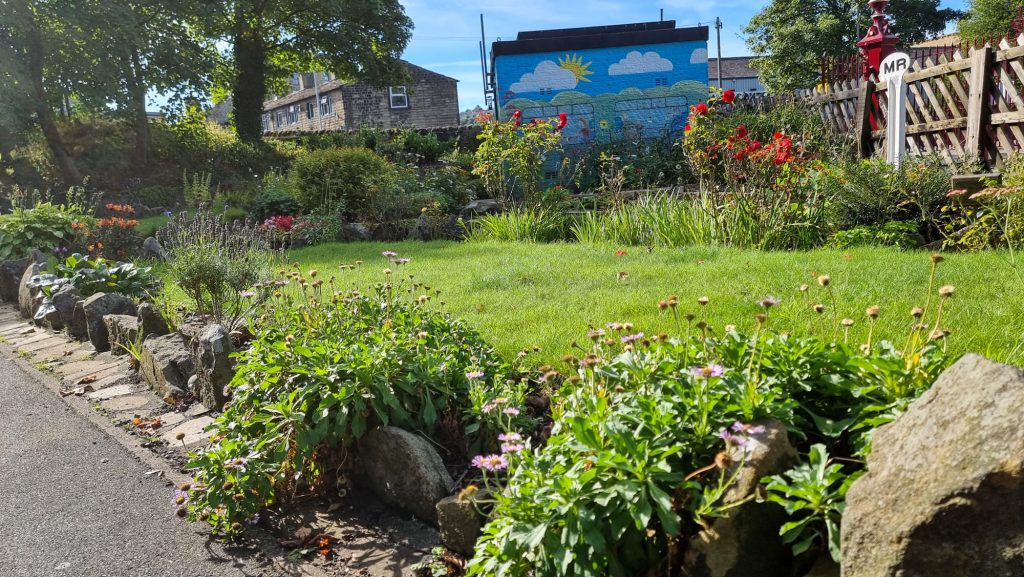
{"x": 76, "y": 502}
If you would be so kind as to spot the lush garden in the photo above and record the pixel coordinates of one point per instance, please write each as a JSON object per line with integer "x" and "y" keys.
{"x": 596, "y": 354}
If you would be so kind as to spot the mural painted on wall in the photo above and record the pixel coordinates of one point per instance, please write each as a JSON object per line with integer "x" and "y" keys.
{"x": 608, "y": 93}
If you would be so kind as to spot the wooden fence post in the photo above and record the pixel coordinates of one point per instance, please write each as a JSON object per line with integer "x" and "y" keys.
{"x": 978, "y": 102}
{"x": 862, "y": 118}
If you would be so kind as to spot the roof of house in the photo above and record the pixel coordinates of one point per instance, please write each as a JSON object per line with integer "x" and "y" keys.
{"x": 662, "y": 32}
{"x": 941, "y": 41}
{"x": 732, "y": 67}
{"x": 337, "y": 83}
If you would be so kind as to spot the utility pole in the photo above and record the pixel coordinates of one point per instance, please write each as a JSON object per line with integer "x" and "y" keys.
{"x": 718, "y": 35}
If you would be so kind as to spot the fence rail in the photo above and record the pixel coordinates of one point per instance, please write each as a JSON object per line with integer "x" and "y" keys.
{"x": 961, "y": 105}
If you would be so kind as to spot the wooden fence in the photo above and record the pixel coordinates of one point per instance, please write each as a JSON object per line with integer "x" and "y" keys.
{"x": 960, "y": 106}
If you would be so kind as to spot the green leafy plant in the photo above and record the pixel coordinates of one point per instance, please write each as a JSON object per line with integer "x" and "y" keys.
{"x": 814, "y": 496}
{"x": 898, "y": 233}
{"x": 338, "y": 180}
{"x": 45, "y": 227}
{"x": 511, "y": 154}
{"x": 325, "y": 367}
{"x": 276, "y": 197}
{"x": 91, "y": 275}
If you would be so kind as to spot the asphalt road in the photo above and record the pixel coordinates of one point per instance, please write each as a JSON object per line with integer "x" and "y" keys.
{"x": 74, "y": 502}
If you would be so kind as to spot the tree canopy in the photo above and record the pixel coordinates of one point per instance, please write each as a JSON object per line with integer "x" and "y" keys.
{"x": 789, "y": 37}
{"x": 988, "y": 18}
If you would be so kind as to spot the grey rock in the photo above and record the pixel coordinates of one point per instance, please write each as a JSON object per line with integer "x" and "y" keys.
{"x": 747, "y": 542}
{"x": 405, "y": 471}
{"x": 355, "y": 231}
{"x": 151, "y": 248}
{"x": 98, "y": 306}
{"x": 460, "y": 523}
{"x": 481, "y": 206}
{"x": 944, "y": 488}
{"x": 421, "y": 230}
{"x": 212, "y": 351}
{"x": 79, "y": 327}
{"x": 64, "y": 302}
{"x": 51, "y": 319}
{"x": 11, "y": 272}
{"x": 151, "y": 322}
{"x": 29, "y": 299}
{"x": 166, "y": 364}
{"x": 122, "y": 332}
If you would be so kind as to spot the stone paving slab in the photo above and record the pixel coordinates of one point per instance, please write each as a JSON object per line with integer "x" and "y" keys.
{"x": 103, "y": 372}
{"x": 194, "y": 432}
{"x": 111, "y": 392}
{"x": 42, "y": 345}
{"x": 127, "y": 403}
{"x": 29, "y": 339}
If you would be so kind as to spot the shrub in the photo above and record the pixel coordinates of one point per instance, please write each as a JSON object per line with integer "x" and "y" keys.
{"x": 339, "y": 180}
{"x": 318, "y": 228}
{"x": 114, "y": 236}
{"x": 990, "y": 218}
{"x": 902, "y": 234}
{"x": 45, "y": 227}
{"x": 276, "y": 196}
{"x": 91, "y": 275}
{"x": 223, "y": 268}
{"x": 511, "y": 155}
{"x": 873, "y": 192}
{"x": 325, "y": 368}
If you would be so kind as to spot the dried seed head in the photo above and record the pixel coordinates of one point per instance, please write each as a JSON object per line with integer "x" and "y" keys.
{"x": 703, "y": 301}
{"x": 701, "y": 325}
{"x": 179, "y": 436}
{"x": 937, "y": 335}
{"x": 662, "y": 305}
{"x": 937, "y": 258}
{"x": 761, "y": 318}
{"x": 620, "y": 389}
{"x": 819, "y": 308}
{"x": 947, "y": 291}
{"x": 722, "y": 460}
{"x": 689, "y": 317}
{"x": 847, "y": 322}
{"x": 824, "y": 280}
{"x": 917, "y": 312}
{"x": 730, "y": 328}
{"x": 873, "y": 311}
{"x": 804, "y": 288}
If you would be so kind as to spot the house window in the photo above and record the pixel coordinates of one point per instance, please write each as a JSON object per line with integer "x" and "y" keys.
{"x": 326, "y": 105}
{"x": 310, "y": 109}
{"x": 281, "y": 119}
{"x": 293, "y": 114}
{"x": 661, "y": 81}
{"x": 265, "y": 121}
{"x": 397, "y": 97}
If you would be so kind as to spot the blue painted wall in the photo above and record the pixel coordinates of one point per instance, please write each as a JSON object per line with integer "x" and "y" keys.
{"x": 608, "y": 93}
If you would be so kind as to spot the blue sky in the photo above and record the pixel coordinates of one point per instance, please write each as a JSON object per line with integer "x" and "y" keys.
{"x": 448, "y": 31}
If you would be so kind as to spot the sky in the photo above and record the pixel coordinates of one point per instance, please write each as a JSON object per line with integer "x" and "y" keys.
{"x": 447, "y": 34}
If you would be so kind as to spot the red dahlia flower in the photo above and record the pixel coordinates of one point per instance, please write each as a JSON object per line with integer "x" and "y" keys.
{"x": 729, "y": 96}
{"x": 701, "y": 109}
{"x": 741, "y": 131}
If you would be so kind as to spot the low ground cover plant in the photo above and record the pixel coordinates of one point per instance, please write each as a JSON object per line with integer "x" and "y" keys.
{"x": 326, "y": 365}
{"x": 46, "y": 227}
{"x": 94, "y": 274}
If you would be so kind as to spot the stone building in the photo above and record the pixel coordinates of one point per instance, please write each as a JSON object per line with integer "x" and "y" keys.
{"x": 319, "y": 101}
{"x": 612, "y": 82}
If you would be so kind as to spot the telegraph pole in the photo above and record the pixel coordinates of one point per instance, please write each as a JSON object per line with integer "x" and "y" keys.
{"x": 718, "y": 34}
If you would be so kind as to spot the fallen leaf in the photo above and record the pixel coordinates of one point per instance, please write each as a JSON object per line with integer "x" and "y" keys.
{"x": 83, "y": 390}
{"x": 89, "y": 379}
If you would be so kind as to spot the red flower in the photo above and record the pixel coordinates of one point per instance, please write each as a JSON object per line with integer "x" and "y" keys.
{"x": 687, "y": 128}
{"x": 701, "y": 109}
{"x": 739, "y": 155}
{"x": 620, "y": 253}
{"x": 777, "y": 135}
{"x": 517, "y": 114}
{"x": 754, "y": 146}
{"x": 563, "y": 120}
{"x": 729, "y": 96}
{"x": 741, "y": 131}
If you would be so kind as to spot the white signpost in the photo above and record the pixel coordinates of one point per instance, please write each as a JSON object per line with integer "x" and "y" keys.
{"x": 891, "y": 72}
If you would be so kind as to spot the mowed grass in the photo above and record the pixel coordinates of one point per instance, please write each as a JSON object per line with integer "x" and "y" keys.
{"x": 547, "y": 295}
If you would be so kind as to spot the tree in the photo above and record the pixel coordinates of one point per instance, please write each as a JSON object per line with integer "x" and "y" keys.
{"x": 789, "y": 37}
{"x": 355, "y": 39}
{"x": 989, "y": 18}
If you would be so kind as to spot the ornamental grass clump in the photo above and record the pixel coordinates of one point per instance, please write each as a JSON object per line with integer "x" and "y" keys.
{"x": 325, "y": 366}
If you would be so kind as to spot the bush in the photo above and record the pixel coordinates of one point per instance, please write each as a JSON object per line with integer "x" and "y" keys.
{"x": 91, "y": 275}
{"x": 276, "y": 197}
{"x": 114, "y": 236}
{"x": 902, "y": 234}
{"x": 222, "y": 267}
{"x": 341, "y": 180}
{"x": 46, "y": 227}
{"x": 873, "y": 192}
{"x": 323, "y": 369}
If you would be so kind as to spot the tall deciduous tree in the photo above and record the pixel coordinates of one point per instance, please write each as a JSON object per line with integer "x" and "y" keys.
{"x": 789, "y": 37}
{"x": 989, "y": 18}
{"x": 356, "y": 39}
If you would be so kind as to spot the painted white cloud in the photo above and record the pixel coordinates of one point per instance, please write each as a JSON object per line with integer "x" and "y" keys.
{"x": 547, "y": 74}
{"x": 637, "y": 63}
{"x": 699, "y": 56}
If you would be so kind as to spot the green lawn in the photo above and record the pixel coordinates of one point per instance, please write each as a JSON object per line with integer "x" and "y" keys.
{"x": 524, "y": 295}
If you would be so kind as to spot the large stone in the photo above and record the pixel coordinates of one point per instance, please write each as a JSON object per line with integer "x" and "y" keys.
{"x": 405, "y": 471}
{"x": 944, "y": 491}
{"x": 151, "y": 248}
{"x": 151, "y": 322}
{"x": 460, "y": 523}
{"x": 79, "y": 327}
{"x": 480, "y": 206}
{"x": 214, "y": 367}
{"x": 747, "y": 542}
{"x": 29, "y": 298}
{"x": 98, "y": 306}
{"x": 11, "y": 272}
{"x": 166, "y": 364}
{"x": 355, "y": 231}
{"x": 64, "y": 302}
{"x": 122, "y": 333}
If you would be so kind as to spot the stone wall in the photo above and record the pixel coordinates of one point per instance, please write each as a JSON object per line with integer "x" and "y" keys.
{"x": 433, "y": 101}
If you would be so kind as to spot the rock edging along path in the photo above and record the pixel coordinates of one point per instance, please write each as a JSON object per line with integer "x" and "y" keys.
{"x": 370, "y": 539}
